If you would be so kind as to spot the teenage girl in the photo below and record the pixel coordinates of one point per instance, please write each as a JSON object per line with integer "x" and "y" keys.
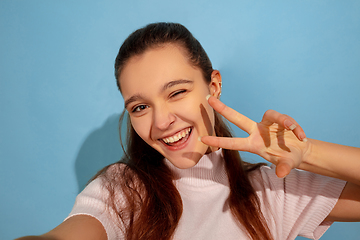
{"x": 182, "y": 176}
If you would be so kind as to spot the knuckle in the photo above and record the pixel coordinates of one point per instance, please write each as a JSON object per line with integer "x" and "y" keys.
{"x": 268, "y": 112}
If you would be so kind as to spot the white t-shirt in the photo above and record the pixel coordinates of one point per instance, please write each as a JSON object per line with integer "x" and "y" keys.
{"x": 295, "y": 205}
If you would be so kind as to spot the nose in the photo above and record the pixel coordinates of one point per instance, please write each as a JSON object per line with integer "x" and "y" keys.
{"x": 163, "y": 118}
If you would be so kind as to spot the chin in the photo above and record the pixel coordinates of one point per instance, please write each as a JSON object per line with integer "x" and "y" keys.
{"x": 184, "y": 163}
{"x": 187, "y": 159}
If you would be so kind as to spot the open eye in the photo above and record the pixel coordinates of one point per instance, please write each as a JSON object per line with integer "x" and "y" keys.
{"x": 139, "y": 108}
{"x": 176, "y": 93}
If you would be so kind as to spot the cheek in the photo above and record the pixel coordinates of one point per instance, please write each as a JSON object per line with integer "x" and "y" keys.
{"x": 188, "y": 108}
{"x": 208, "y": 117}
{"x": 141, "y": 127}
{"x": 199, "y": 112}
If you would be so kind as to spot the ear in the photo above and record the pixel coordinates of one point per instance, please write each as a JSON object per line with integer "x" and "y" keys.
{"x": 215, "y": 84}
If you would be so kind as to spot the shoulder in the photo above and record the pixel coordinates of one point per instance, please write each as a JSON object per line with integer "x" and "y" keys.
{"x": 115, "y": 175}
{"x": 107, "y": 198}
{"x": 114, "y": 186}
{"x": 298, "y": 203}
{"x": 265, "y": 177}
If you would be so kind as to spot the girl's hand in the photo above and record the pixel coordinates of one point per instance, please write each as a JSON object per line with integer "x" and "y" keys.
{"x": 278, "y": 138}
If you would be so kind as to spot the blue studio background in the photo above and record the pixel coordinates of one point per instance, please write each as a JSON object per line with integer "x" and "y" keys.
{"x": 59, "y": 104}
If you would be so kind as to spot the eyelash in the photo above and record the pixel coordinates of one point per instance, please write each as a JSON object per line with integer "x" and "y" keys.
{"x": 135, "y": 109}
{"x": 177, "y": 93}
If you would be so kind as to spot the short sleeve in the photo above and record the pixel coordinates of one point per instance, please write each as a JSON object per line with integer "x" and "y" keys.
{"x": 298, "y": 204}
{"x": 91, "y": 201}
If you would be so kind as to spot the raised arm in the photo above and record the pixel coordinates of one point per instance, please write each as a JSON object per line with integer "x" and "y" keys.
{"x": 80, "y": 227}
{"x": 334, "y": 160}
{"x": 280, "y": 140}
{"x": 341, "y": 162}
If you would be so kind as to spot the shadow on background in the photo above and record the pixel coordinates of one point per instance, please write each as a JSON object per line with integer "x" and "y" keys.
{"x": 101, "y": 148}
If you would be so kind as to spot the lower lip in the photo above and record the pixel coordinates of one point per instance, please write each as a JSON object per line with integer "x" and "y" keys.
{"x": 179, "y": 147}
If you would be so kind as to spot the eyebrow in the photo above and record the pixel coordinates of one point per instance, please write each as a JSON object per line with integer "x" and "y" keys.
{"x": 175, "y": 82}
{"x": 133, "y": 98}
{"x": 166, "y": 86}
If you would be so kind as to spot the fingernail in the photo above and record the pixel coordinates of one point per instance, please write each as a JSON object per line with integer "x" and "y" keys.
{"x": 302, "y": 136}
{"x": 208, "y": 96}
{"x": 305, "y": 140}
{"x": 199, "y": 139}
{"x": 289, "y": 125}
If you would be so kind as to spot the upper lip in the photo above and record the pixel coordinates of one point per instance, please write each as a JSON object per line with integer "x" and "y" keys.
{"x": 174, "y": 133}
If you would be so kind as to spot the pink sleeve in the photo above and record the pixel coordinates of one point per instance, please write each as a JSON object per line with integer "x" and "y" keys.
{"x": 298, "y": 204}
{"x": 91, "y": 201}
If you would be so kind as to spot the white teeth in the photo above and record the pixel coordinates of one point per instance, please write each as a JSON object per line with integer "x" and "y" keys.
{"x": 177, "y": 137}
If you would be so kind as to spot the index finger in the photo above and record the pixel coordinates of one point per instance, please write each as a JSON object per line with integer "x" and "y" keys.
{"x": 243, "y": 122}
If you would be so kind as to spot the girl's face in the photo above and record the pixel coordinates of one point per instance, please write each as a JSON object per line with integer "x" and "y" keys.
{"x": 166, "y": 100}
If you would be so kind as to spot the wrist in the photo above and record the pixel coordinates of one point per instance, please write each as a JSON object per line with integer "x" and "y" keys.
{"x": 308, "y": 154}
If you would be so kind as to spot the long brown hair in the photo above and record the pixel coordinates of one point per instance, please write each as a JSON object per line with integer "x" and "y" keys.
{"x": 153, "y": 205}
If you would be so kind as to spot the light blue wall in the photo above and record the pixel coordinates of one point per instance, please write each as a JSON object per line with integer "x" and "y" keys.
{"x": 59, "y": 103}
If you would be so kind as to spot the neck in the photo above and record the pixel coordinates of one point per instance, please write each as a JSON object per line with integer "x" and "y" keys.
{"x": 208, "y": 171}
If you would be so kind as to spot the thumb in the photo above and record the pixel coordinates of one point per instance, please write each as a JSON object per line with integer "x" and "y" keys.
{"x": 283, "y": 168}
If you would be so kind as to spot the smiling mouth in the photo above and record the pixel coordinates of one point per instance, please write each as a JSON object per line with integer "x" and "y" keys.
{"x": 178, "y": 138}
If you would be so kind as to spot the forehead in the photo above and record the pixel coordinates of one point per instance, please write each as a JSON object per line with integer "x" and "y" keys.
{"x": 155, "y": 67}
